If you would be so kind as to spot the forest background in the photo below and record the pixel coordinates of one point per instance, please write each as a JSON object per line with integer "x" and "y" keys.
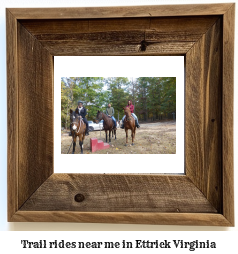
{"x": 154, "y": 98}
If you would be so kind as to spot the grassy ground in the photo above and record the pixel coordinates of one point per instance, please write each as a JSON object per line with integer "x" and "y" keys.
{"x": 151, "y": 138}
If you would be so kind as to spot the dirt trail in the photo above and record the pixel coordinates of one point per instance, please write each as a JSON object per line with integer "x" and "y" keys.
{"x": 151, "y": 138}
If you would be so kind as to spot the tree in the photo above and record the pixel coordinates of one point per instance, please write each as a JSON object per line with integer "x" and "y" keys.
{"x": 156, "y": 96}
{"x": 153, "y": 97}
{"x": 67, "y": 98}
{"x": 143, "y": 97}
{"x": 119, "y": 95}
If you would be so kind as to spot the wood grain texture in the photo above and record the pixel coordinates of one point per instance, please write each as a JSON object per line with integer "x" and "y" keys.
{"x": 204, "y": 196}
{"x": 192, "y": 219}
{"x": 121, "y": 11}
{"x": 204, "y": 115}
{"x": 59, "y": 48}
{"x": 228, "y": 113}
{"x": 119, "y": 36}
{"x": 114, "y": 193}
{"x": 12, "y": 114}
{"x": 35, "y": 93}
{"x": 49, "y": 29}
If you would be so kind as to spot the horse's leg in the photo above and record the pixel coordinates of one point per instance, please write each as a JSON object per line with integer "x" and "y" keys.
{"x": 132, "y": 137}
{"x": 81, "y": 142}
{"x": 115, "y": 132}
{"x": 106, "y": 135}
{"x": 111, "y": 127}
{"x": 109, "y": 136}
{"x": 126, "y": 130}
{"x": 74, "y": 143}
{"x": 83, "y": 136}
{"x": 134, "y": 133}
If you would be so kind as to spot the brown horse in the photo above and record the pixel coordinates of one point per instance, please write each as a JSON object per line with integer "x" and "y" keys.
{"x": 107, "y": 124}
{"x": 129, "y": 123}
{"x": 78, "y": 129}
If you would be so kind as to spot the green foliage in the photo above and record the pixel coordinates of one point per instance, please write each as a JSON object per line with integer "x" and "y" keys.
{"x": 156, "y": 97}
{"x": 118, "y": 94}
{"x": 151, "y": 96}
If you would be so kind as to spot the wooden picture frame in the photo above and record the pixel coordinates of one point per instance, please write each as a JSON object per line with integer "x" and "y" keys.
{"x": 204, "y": 34}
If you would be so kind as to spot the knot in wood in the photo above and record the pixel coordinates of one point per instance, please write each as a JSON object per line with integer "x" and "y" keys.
{"x": 79, "y": 198}
{"x": 143, "y": 45}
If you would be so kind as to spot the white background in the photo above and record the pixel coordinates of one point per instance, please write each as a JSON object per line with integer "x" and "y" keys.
{"x": 10, "y": 240}
{"x": 120, "y": 66}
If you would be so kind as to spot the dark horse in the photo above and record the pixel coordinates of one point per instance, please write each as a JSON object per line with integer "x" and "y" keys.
{"x": 129, "y": 123}
{"x": 107, "y": 124}
{"x": 78, "y": 128}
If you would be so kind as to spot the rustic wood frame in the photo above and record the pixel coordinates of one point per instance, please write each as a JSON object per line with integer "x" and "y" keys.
{"x": 204, "y": 34}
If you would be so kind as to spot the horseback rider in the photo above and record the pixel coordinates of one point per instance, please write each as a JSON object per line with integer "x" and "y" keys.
{"x": 82, "y": 112}
{"x": 131, "y": 107}
{"x": 110, "y": 113}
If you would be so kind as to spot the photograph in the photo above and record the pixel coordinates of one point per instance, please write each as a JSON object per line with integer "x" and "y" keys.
{"x": 118, "y": 115}
{"x": 111, "y": 108}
